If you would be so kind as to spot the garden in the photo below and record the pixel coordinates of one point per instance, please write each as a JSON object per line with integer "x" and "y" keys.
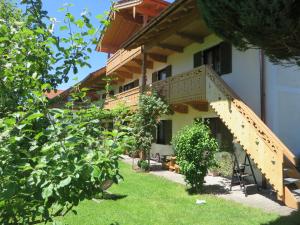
{"x": 62, "y": 165}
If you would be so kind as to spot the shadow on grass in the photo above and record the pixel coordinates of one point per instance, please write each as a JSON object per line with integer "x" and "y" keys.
{"x": 109, "y": 196}
{"x": 293, "y": 219}
{"x": 114, "y": 197}
{"x": 209, "y": 189}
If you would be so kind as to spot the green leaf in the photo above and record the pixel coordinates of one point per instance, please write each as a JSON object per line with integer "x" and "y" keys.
{"x": 96, "y": 172}
{"x": 47, "y": 192}
{"x": 65, "y": 182}
{"x": 79, "y": 23}
{"x": 35, "y": 116}
{"x": 62, "y": 28}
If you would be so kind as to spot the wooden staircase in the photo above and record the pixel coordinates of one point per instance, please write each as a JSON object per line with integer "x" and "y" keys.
{"x": 276, "y": 162}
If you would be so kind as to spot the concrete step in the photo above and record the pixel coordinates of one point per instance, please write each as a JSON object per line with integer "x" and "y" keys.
{"x": 296, "y": 192}
{"x": 246, "y": 175}
{"x": 287, "y": 181}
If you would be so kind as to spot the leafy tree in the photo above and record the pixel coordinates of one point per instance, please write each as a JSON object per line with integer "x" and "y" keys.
{"x": 195, "y": 149}
{"x": 50, "y": 159}
{"x": 150, "y": 109}
{"x": 272, "y": 25}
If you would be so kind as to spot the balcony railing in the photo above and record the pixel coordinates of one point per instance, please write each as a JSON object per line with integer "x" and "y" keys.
{"x": 120, "y": 58}
{"x": 129, "y": 98}
{"x": 184, "y": 87}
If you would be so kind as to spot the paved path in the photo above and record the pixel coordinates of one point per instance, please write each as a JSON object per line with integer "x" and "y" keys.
{"x": 220, "y": 187}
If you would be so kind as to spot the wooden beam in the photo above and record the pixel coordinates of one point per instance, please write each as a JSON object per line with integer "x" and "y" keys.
{"x": 139, "y": 62}
{"x": 124, "y": 74}
{"x": 180, "y": 108}
{"x": 133, "y": 69}
{"x": 158, "y": 57}
{"x": 149, "y": 12}
{"x": 198, "y": 105}
{"x": 174, "y": 48}
{"x": 137, "y": 20}
{"x": 190, "y": 37}
{"x": 166, "y": 32}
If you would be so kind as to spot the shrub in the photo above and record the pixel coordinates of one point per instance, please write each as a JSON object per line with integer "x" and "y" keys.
{"x": 150, "y": 109}
{"x": 224, "y": 163}
{"x": 195, "y": 149}
{"x": 145, "y": 165}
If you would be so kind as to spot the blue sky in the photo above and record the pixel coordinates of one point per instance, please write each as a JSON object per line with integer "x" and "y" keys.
{"x": 96, "y": 7}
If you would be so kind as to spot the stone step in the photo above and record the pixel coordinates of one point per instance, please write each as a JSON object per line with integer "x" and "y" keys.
{"x": 290, "y": 180}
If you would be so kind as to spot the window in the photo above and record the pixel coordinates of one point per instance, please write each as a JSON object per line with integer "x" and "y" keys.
{"x": 220, "y": 57}
{"x": 221, "y": 133}
{"x": 129, "y": 86}
{"x": 162, "y": 74}
{"x": 164, "y": 132}
{"x": 104, "y": 96}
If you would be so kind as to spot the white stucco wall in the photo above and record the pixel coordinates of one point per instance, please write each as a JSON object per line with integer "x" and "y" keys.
{"x": 283, "y": 103}
{"x": 179, "y": 120}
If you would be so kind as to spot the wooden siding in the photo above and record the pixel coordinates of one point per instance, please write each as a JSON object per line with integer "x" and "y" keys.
{"x": 120, "y": 58}
{"x": 129, "y": 98}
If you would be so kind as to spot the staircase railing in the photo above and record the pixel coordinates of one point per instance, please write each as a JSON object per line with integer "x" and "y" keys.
{"x": 265, "y": 149}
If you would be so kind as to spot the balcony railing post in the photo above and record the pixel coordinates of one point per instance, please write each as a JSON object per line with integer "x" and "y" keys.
{"x": 144, "y": 69}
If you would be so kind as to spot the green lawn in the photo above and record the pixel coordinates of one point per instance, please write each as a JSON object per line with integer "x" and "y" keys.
{"x": 145, "y": 199}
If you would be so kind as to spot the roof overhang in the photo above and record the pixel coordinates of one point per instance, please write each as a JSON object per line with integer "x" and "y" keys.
{"x": 94, "y": 81}
{"x": 176, "y": 27}
{"x": 128, "y": 17}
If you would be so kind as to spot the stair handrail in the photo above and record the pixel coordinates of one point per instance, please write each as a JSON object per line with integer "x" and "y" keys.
{"x": 262, "y": 129}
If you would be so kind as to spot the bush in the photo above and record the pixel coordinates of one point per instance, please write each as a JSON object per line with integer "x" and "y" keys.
{"x": 143, "y": 164}
{"x": 224, "y": 166}
{"x": 195, "y": 149}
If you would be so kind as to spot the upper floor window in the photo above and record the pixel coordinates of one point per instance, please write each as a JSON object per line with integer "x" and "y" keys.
{"x": 162, "y": 74}
{"x": 220, "y": 57}
{"x": 129, "y": 86}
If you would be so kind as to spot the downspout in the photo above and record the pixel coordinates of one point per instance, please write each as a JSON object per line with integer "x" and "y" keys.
{"x": 262, "y": 86}
{"x": 262, "y": 75}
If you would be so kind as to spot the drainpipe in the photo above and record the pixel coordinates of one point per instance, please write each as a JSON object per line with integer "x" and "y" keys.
{"x": 262, "y": 74}
{"x": 262, "y": 86}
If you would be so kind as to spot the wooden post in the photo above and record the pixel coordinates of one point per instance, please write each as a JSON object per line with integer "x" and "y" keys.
{"x": 144, "y": 69}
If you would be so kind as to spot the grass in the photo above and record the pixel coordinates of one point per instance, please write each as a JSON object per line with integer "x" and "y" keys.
{"x": 144, "y": 199}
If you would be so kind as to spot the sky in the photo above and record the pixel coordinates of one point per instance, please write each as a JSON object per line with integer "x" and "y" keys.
{"x": 95, "y": 7}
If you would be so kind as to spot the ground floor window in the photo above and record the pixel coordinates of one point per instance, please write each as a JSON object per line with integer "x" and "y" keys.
{"x": 163, "y": 134}
{"x": 221, "y": 133}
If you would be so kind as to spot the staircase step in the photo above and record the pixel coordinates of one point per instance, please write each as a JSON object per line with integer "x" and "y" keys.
{"x": 246, "y": 175}
{"x": 287, "y": 181}
{"x": 296, "y": 192}
{"x": 250, "y": 185}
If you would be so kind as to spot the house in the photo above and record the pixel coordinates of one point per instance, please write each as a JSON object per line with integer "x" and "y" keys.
{"x": 93, "y": 82}
{"x": 52, "y": 94}
{"x": 248, "y": 100}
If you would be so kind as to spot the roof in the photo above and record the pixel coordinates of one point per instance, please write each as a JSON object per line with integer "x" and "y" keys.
{"x": 53, "y": 93}
{"x": 182, "y": 18}
{"x": 94, "y": 81}
{"x": 127, "y": 18}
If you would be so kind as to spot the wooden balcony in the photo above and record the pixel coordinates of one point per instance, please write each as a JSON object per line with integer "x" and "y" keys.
{"x": 184, "y": 89}
{"x": 121, "y": 58}
{"x": 180, "y": 91}
{"x": 129, "y": 98}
